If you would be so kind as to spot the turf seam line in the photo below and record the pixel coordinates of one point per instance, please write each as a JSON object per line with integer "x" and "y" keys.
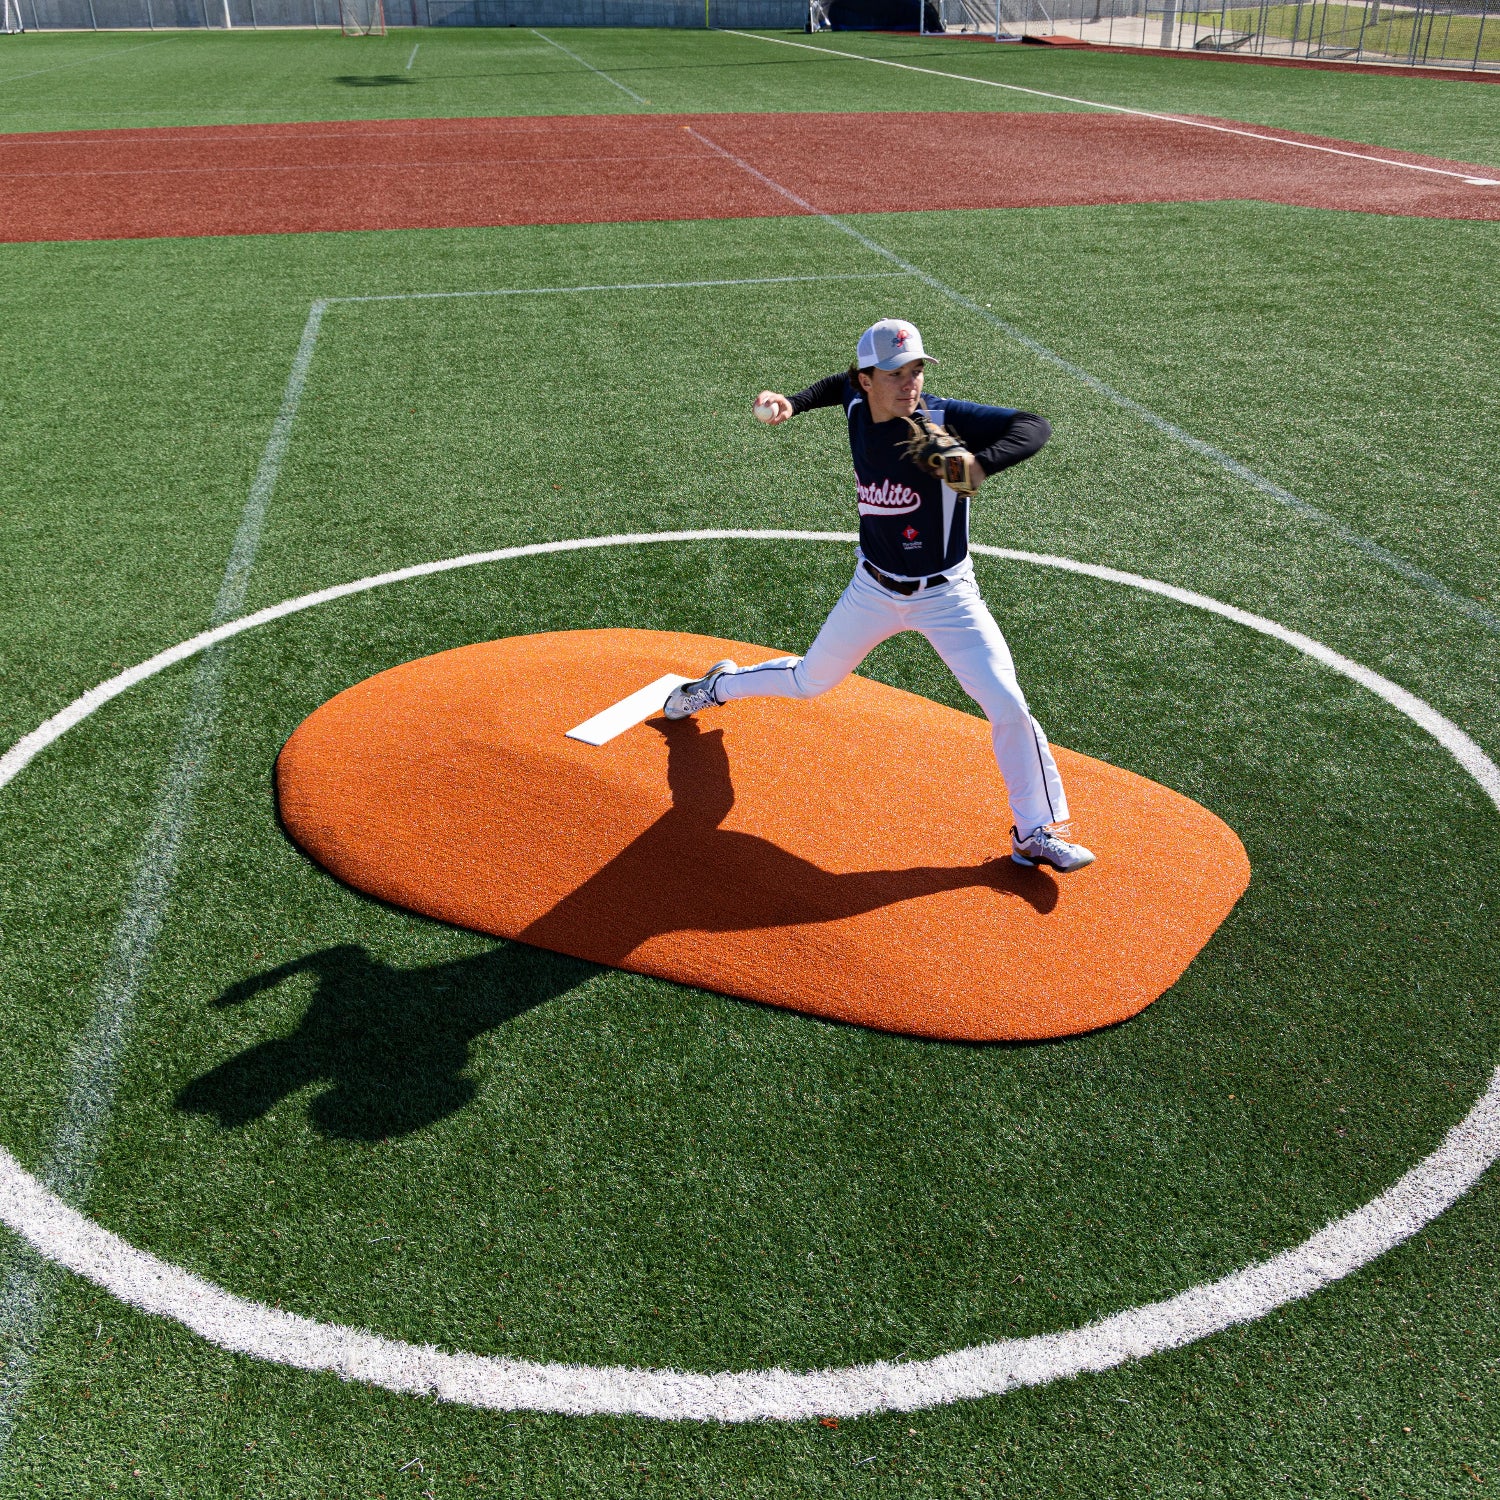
{"x": 1340, "y": 1247}
{"x": 1125, "y": 109}
{"x": 93, "y": 1068}
{"x": 1392, "y": 561}
{"x": 98, "y": 57}
{"x": 592, "y": 69}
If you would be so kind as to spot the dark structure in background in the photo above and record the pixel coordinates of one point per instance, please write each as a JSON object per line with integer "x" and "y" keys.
{"x": 883, "y": 15}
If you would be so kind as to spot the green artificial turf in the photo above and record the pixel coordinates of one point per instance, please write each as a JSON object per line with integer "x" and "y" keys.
{"x": 53, "y": 81}
{"x": 371, "y": 1118}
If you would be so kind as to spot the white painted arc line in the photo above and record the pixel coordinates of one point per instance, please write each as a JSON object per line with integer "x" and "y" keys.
{"x": 1119, "y": 109}
{"x": 1392, "y": 561}
{"x": 27, "y": 748}
{"x": 592, "y": 69}
{"x": 1461, "y": 746}
{"x": 410, "y": 60}
{"x": 627, "y": 713}
{"x": 140, "y": 1279}
{"x": 625, "y": 286}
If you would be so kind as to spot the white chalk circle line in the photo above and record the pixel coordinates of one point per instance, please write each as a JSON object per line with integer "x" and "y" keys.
{"x": 69, "y": 1238}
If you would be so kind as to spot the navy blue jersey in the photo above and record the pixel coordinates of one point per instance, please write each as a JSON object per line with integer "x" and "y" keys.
{"x": 910, "y": 522}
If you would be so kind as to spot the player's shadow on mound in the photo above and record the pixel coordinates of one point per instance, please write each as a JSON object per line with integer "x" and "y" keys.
{"x": 390, "y": 1045}
{"x": 686, "y": 873}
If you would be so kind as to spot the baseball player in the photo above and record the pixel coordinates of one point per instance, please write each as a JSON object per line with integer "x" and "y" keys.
{"x": 917, "y": 461}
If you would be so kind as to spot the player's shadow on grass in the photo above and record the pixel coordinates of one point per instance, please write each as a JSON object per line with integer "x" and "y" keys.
{"x": 390, "y": 1046}
{"x": 686, "y": 873}
{"x": 374, "y": 80}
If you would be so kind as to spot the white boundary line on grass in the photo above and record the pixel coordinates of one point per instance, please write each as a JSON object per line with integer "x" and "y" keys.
{"x": 592, "y": 69}
{"x": 82, "y": 61}
{"x": 69, "y": 1238}
{"x": 1393, "y": 561}
{"x": 1124, "y": 109}
{"x": 93, "y": 1064}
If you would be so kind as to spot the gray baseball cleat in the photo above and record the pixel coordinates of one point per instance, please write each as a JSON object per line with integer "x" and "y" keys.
{"x": 1047, "y": 846}
{"x": 682, "y": 702}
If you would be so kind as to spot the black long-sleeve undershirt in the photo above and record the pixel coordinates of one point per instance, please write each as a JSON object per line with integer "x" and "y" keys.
{"x": 1023, "y": 435}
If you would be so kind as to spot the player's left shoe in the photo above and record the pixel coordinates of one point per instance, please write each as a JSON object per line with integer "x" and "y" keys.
{"x": 1047, "y": 846}
{"x": 684, "y": 701}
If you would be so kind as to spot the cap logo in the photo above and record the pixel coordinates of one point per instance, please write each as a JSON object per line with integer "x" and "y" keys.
{"x": 900, "y": 337}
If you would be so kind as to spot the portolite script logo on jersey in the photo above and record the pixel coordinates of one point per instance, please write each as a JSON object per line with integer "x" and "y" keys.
{"x": 888, "y": 498}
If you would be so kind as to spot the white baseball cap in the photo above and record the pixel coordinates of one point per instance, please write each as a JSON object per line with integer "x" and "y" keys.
{"x": 889, "y": 344}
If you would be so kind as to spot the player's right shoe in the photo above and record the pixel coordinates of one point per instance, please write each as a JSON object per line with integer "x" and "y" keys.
{"x": 682, "y": 702}
{"x": 1047, "y": 846}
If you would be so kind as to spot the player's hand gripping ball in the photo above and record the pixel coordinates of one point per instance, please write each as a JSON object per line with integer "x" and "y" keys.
{"x": 939, "y": 452}
{"x": 765, "y": 411}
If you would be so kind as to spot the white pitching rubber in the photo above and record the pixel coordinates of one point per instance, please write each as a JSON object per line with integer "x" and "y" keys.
{"x": 628, "y": 712}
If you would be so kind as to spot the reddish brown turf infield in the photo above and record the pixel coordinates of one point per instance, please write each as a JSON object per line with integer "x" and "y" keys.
{"x": 422, "y": 174}
{"x": 845, "y": 857}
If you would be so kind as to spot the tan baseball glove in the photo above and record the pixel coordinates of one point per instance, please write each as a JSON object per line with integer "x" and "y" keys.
{"x": 938, "y": 452}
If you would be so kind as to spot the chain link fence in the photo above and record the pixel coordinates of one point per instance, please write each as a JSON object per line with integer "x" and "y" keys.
{"x": 1430, "y": 33}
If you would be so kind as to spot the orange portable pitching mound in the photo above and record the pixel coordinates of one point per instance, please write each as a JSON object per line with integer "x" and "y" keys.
{"x": 846, "y": 857}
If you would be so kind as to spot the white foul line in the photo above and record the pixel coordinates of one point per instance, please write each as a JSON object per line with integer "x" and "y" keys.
{"x": 1122, "y": 109}
{"x": 627, "y": 713}
{"x": 140, "y": 1279}
{"x": 410, "y": 60}
{"x": 93, "y": 1068}
{"x": 592, "y": 69}
{"x": 1382, "y": 555}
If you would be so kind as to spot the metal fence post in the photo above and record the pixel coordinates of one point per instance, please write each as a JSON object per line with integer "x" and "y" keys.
{"x": 1168, "y": 17}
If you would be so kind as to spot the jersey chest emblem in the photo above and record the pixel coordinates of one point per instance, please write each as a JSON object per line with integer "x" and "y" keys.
{"x": 888, "y": 498}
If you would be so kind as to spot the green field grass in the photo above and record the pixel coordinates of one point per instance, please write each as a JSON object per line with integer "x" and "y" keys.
{"x": 367, "y": 1117}
{"x": 76, "y": 82}
{"x": 622, "y": 1170}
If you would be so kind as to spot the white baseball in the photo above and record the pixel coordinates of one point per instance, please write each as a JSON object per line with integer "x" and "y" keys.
{"x": 765, "y": 411}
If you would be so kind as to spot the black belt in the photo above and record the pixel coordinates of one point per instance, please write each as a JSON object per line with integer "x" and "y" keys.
{"x": 902, "y": 585}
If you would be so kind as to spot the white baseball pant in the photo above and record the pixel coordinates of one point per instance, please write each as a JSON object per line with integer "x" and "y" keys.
{"x": 958, "y": 624}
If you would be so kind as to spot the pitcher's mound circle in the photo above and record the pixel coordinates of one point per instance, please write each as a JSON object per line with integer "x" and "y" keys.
{"x": 847, "y": 857}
